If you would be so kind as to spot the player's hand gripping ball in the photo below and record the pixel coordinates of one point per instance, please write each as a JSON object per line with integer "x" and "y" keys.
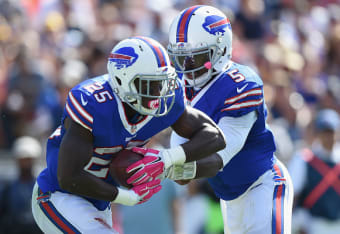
{"x": 120, "y": 162}
{"x": 147, "y": 169}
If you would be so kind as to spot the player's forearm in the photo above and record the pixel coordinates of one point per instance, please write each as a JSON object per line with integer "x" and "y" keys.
{"x": 208, "y": 140}
{"x": 209, "y": 166}
{"x": 204, "y": 168}
{"x": 85, "y": 184}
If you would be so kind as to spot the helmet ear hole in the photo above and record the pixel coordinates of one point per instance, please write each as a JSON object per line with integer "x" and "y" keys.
{"x": 118, "y": 80}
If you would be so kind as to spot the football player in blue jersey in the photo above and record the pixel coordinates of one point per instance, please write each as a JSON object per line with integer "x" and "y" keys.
{"x": 254, "y": 188}
{"x": 139, "y": 97}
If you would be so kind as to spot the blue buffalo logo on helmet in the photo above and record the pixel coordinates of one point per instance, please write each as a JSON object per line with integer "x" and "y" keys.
{"x": 216, "y": 24}
{"x": 123, "y": 57}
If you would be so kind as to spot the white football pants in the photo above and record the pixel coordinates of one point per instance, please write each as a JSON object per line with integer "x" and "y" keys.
{"x": 67, "y": 213}
{"x": 265, "y": 208}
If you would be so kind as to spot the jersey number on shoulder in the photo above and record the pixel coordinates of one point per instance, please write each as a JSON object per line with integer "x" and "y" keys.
{"x": 101, "y": 96}
{"x": 236, "y": 75}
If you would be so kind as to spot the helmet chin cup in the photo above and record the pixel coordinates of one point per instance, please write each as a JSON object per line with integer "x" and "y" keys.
{"x": 153, "y": 104}
{"x": 156, "y": 111}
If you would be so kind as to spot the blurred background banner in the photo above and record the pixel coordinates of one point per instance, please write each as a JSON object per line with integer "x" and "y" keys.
{"x": 48, "y": 46}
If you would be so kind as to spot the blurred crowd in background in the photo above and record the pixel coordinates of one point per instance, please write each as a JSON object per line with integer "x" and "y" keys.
{"x": 48, "y": 46}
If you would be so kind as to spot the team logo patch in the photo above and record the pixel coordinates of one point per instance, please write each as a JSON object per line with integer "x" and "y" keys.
{"x": 123, "y": 57}
{"x": 181, "y": 45}
{"x": 216, "y": 24}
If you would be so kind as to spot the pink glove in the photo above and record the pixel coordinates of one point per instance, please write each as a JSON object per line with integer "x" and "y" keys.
{"x": 148, "y": 168}
{"x": 147, "y": 190}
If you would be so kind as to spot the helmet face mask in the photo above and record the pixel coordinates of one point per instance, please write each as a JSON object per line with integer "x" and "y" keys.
{"x": 193, "y": 63}
{"x": 149, "y": 94}
{"x": 200, "y": 30}
{"x": 141, "y": 75}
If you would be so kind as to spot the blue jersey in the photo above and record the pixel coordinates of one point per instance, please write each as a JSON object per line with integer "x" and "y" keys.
{"x": 95, "y": 106}
{"x": 236, "y": 92}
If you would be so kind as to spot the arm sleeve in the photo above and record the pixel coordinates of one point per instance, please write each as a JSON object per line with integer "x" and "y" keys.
{"x": 236, "y": 131}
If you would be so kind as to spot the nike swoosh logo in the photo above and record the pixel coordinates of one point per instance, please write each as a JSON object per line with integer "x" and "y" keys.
{"x": 82, "y": 100}
{"x": 239, "y": 90}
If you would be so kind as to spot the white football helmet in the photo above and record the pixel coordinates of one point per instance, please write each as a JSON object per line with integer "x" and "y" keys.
{"x": 200, "y": 43}
{"x": 136, "y": 66}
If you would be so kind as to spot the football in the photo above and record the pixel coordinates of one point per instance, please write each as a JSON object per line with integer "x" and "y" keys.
{"x": 120, "y": 162}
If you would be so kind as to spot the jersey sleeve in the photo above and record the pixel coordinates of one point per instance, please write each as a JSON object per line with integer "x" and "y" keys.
{"x": 242, "y": 99}
{"x": 79, "y": 108}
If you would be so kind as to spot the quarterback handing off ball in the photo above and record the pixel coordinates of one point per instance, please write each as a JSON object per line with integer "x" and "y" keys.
{"x": 120, "y": 162}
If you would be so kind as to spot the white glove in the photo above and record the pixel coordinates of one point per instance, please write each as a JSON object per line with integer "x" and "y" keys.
{"x": 185, "y": 171}
{"x": 138, "y": 194}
